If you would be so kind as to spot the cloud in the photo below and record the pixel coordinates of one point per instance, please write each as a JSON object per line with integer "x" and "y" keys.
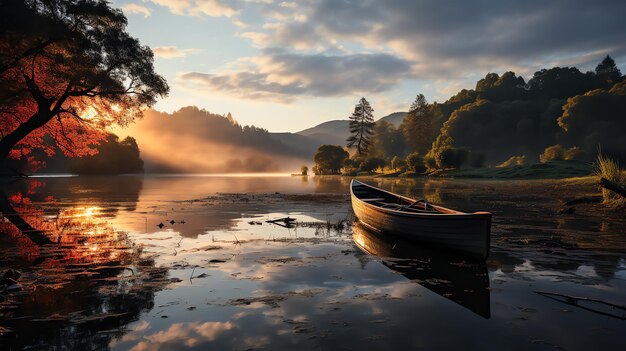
{"x": 456, "y": 37}
{"x": 282, "y": 76}
{"x": 188, "y": 334}
{"x": 259, "y": 39}
{"x": 136, "y": 9}
{"x": 289, "y": 4}
{"x": 169, "y": 52}
{"x": 212, "y": 8}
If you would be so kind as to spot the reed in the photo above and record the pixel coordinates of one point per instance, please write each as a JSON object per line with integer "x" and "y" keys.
{"x": 604, "y": 167}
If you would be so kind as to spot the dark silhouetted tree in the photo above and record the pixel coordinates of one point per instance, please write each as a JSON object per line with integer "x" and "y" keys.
{"x": 608, "y": 70}
{"x": 501, "y": 88}
{"x": 561, "y": 83}
{"x": 113, "y": 157}
{"x": 361, "y": 127}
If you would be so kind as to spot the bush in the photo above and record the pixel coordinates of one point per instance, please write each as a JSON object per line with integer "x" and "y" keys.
{"x": 558, "y": 152}
{"x": 513, "y": 161}
{"x": 551, "y": 153}
{"x": 430, "y": 162}
{"x": 415, "y": 163}
{"x": 452, "y": 157}
{"x": 350, "y": 171}
{"x": 370, "y": 164}
{"x": 351, "y": 162}
{"x": 397, "y": 163}
{"x": 477, "y": 159}
{"x": 605, "y": 167}
{"x": 575, "y": 153}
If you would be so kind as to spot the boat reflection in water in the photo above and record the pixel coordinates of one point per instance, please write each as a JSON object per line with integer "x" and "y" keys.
{"x": 446, "y": 274}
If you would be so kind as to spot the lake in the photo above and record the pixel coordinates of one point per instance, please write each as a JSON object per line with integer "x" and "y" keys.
{"x": 189, "y": 262}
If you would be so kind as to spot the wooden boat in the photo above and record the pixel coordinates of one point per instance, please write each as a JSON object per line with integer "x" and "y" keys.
{"x": 389, "y": 213}
{"x": 439, "y": 271}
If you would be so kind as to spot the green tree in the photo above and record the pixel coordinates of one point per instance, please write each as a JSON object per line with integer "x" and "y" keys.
{"x": 372, "y": 163}
{"x": 329, "y": 159}
{"x": 500, "y": 88}
{"x": 387, "y": 140}
{"x": 418, "y": 125}
{"x": 415, "y": 163}
{"x": 361, "y": 127}
{"x": 596, "y": 118}
{"x": 304, "y": 170}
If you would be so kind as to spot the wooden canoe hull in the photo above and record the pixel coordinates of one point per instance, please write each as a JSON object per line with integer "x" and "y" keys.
{"x": 467, "y": 233}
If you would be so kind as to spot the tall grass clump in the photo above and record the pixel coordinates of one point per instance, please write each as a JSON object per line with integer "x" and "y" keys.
{"x": 605, "y": 167}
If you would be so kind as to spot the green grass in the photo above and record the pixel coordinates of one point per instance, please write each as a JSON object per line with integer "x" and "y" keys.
{"x": 604, "y": 167}
{"x": 550, "y": 170}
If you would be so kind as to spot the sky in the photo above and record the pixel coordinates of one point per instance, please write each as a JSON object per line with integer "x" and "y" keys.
{"x": 290, "y": 65}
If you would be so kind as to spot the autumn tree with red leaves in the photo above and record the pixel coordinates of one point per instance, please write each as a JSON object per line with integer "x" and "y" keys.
{"x": 68, "y": 70}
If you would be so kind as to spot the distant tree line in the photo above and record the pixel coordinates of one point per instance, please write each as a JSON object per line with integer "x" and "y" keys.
{"x": 113, "y": 157}
{"x": 559, "y": 114}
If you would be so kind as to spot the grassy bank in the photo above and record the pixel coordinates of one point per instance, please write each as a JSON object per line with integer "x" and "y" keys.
{"x": 574, "y": 171}
{"x": 551, "y": 170}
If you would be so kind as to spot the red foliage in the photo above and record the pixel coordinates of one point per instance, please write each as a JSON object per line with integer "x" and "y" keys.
{"x": 75, "y": 137}
{"x": 68, "y": 70}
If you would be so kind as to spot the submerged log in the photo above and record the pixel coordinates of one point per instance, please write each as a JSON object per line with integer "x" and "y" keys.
{"x": 284, "y": 220}
{"x": 612, "y": 186}
{"x": 584, "y": 200}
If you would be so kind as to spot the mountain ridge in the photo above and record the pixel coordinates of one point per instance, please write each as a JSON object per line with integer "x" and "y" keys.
{"x": 333, "y": 132}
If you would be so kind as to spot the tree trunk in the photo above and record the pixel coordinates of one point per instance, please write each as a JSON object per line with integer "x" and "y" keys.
{"x": 7, "y": 143}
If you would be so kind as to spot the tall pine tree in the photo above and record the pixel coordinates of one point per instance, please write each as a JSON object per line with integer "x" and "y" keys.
{"x": 361, "y": 127}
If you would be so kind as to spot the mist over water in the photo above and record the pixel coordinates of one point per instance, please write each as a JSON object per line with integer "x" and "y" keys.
{"x": 191, "y": 140}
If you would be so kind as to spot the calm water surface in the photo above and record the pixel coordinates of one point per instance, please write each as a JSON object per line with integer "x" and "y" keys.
{"x": 216, "y": 275}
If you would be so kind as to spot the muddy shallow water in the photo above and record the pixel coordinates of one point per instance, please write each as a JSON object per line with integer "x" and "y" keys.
{"x": 216, "y": 275}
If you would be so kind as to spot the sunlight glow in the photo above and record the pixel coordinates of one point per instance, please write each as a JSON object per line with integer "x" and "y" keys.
{"x": 89, "y": 212}
{"x": 89, "y": 113}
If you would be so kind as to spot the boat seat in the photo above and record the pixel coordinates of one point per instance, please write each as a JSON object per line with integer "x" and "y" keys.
{"x": 386, "y": 205}
{"x": 400, "y": 207}
{"x": 373, "y": 199}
